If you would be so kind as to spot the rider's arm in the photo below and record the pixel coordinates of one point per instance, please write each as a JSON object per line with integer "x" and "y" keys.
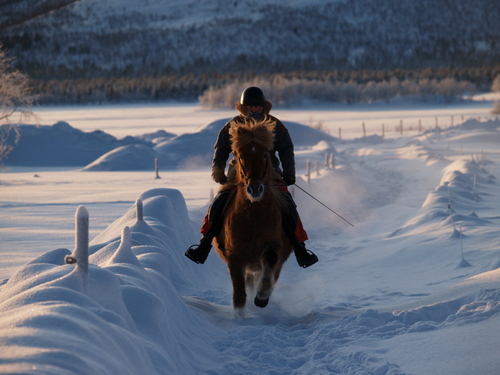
{"x": 221, "y": 154}
{"x": 284, "y": 147}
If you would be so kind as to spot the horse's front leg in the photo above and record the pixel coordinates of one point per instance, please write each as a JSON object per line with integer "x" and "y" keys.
{"x": 237, "y": 272}
{"x": 267, "y": 281}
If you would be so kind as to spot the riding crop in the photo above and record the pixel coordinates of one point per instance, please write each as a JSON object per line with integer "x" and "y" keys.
{"x": 317, "y": 200}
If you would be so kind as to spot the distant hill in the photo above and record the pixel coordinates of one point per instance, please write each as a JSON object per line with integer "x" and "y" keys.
{"x": 21, "y": 11}
{"x": 61, "y": 145}
{"x": 193, "y": 150}
{"x": 87, "y": 38}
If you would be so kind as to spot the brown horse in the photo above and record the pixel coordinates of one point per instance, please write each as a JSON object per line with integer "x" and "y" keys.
{"x": 252, "y": 241}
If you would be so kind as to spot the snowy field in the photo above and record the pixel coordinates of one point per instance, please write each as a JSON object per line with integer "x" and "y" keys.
{"x": 412, "y": 288}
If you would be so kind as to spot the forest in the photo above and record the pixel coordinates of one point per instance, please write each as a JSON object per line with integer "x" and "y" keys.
{"x": 219, "y": 90}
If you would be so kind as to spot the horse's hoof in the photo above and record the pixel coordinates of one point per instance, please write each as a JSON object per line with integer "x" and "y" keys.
{"x": 239, "y": 314}
{"x": 261, "y": 302}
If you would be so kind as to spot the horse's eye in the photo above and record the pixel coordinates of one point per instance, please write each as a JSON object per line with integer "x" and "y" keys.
{"x": 265, "y": 156}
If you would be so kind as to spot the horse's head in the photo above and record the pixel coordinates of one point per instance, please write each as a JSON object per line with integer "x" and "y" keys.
{"x": 252, "y": 142}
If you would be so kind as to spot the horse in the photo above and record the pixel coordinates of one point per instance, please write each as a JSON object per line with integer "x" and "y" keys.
{"x": 252, "y": 240}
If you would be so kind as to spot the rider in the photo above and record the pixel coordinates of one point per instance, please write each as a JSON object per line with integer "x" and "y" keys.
{"x": 254, "y": 105}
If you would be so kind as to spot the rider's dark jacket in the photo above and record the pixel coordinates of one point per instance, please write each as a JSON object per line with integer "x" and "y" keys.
{"x": 282, "y": 143}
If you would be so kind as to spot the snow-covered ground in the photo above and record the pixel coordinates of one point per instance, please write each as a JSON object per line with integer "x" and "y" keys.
{"x": 412, "y": 288}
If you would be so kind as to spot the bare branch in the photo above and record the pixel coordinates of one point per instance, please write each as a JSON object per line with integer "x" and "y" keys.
{"x": 15, "y": 98}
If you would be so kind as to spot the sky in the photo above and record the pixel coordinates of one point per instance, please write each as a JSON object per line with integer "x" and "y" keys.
{"x": 412, "y": 288}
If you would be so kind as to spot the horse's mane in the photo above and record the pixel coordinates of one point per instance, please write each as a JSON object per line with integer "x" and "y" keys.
{"x": 251, "y": 130}
{"x": 262, "y": 133}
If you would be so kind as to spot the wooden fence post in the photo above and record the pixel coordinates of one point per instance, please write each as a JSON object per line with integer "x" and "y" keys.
{"x": 308, "y": 173}
{"x": 80, "y": 256}
{"x": 157, "y": 168}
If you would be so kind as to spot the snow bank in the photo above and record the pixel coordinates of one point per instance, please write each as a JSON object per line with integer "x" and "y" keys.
{"x": 62, "y": 145}
{"x": 389, "y": 296}
{"x": 473, "y": 124}
{"x": 127, "y": 318}
{"x": 191, "y": 150}
{"x": 453, "y": 202}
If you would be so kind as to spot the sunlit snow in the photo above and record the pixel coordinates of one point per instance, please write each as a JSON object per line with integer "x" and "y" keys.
{"x": 412, "y": 288}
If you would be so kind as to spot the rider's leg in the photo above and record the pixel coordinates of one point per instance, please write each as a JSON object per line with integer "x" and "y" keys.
{"x": 293, "y": 227}
{"x": 199, "y": 253}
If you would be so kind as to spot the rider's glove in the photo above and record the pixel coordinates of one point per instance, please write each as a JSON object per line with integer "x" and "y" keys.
{"x": 289, "y": 179}
{"x": 218, "y": 175}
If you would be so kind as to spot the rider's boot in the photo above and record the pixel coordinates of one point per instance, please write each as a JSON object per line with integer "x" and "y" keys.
{"x": 305, "y": 258}
{"x": 199, "y": 253}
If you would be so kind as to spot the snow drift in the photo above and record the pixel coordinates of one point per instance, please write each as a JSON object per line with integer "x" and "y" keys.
{"x": 61, "y": 145}
{"x": 191, "y": 150}
{"x": 130, "y": 307}
{"x": 413, "y": 288}
{"x": 128, "y": 314}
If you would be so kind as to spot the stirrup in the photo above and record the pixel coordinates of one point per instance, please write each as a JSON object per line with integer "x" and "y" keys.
{"x": 307, "y": 259}
{"x": 197, "y": 253}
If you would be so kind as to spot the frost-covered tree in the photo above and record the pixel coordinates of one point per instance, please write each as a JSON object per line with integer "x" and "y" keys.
{"x": 15, "y": 100}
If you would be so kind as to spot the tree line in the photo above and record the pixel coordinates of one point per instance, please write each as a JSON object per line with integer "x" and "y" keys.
{"x": 296, "y": 91}
{"x": 336, "y": 85}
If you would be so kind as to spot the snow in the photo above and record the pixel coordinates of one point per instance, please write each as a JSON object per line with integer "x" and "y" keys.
{"x": 412, "y": 288}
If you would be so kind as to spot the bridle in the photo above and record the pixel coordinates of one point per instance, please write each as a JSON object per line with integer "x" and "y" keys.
{"x": 243, "y": 174}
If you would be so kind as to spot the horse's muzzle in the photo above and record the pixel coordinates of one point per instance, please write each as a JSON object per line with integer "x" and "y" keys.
{"x": 255, "y": 191}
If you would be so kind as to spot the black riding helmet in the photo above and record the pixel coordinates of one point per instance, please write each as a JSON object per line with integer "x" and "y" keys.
{"x": 253, "y": 96}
